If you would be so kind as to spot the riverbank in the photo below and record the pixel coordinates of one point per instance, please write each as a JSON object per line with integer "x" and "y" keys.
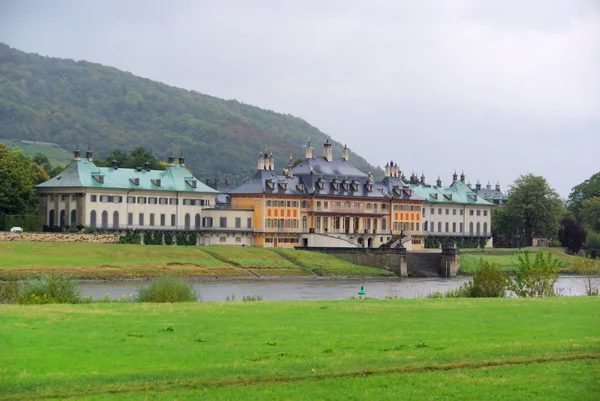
{"x": 122, "y": 261}
{"x": 373, "y": 349}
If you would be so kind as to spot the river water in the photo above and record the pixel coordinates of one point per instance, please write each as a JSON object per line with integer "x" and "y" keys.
{"x": 315, "y": 289}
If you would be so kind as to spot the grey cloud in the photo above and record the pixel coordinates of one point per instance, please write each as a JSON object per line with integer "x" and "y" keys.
{"x": 497, "y": 88}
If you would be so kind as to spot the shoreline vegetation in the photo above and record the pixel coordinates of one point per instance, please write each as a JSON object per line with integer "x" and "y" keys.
{"x": 123, "y": 262}
{"x": 543, "y": 348}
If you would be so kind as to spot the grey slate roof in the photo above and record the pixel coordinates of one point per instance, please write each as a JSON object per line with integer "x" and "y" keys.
{"x": 320, "y": 166}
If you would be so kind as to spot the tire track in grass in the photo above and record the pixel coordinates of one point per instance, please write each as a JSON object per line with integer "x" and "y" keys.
{"x": 170, "y": 384}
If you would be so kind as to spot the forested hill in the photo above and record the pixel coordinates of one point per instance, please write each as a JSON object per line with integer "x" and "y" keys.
{"x": 67, "y": 102}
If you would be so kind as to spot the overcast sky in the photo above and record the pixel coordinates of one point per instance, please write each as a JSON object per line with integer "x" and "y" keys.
{"x": 494, "y": 88}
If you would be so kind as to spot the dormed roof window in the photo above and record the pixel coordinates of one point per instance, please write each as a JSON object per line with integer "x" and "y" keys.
{"x": 269, "y": 184}
{"x": 448, "y": 196}
{"x": 282, "y": 185}
{"x": 191, "y": 183}
{"x": 135, "y": 181}
{"x": 300, "y": 187}
{"x": 156, "y": 182}
{"x": 99, "y": 178}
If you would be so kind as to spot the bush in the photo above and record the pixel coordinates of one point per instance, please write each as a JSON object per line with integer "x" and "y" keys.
{"x": 168, "y": 239}
{"x": 54, "y": 288}
{"x": 73, "y": 229}
{"x": 167, "y": 289}
{"x": 131, "y": 237}
{"x": 537, "y": 279}
{"x": 589, "y": 269}
{"x": 10, "y": 293}
{"x": 489, "y": 281}
{"x": 89, "y": 230}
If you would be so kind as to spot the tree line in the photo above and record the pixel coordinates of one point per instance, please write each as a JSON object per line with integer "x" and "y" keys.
{"x": 534, "y": 209}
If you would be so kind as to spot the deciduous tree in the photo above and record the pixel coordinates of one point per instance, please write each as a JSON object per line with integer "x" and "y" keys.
{"x": 533, "y": 208}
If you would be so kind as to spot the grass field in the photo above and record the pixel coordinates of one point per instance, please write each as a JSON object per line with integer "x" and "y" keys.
{"x": 354, "y": 349}
{"x": 508, "y": 259}
{"x": 114, "y": 261}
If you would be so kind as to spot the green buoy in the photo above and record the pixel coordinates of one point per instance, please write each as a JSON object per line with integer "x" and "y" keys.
{"x": 362, "y": 290}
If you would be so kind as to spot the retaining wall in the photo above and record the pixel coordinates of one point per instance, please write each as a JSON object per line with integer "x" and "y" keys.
{"x": 59, "y": 237}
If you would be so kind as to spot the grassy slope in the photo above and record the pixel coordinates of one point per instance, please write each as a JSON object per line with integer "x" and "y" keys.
{"x": 508, "y": 259}
{"x": 56, "y": 156}
{"x": 424, "y": 348}
{"x": 84, "y": 260}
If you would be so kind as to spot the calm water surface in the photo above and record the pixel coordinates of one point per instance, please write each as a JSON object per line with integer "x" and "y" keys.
{"x": 317, "y": 289}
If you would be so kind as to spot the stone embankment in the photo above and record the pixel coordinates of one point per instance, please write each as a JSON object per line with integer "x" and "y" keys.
{"x": 59, "y": 237}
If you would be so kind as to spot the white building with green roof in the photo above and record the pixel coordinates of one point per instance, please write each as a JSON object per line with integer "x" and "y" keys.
{"x": 122, "y": 199}
{"x": 454, "y": 213}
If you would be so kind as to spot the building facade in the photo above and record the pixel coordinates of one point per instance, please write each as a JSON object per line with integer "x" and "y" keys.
{"x": 141, "y": 199}
{"x": 327, "y": 201}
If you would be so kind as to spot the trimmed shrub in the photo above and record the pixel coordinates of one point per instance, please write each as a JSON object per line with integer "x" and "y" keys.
{"x": 168, "y": 239}
{"x": 131, "y": 237}
{"x": 54, "y": 288}
{"x": 167, "y": 289}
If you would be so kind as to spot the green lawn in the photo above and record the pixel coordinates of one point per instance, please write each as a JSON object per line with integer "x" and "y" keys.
{"x": 83, "y": 260}
{"x": 354, "y": 349}
{"x": 508, "y": 259}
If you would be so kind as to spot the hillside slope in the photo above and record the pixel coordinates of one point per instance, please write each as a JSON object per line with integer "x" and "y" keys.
{"x": 68, "y": 102}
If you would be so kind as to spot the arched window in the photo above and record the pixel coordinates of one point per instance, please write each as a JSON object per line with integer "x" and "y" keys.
{"x": 197, "y": 222}
{"x": 471, "y": 228}
{"x": 93, "y": 219}
{"x": 73, "y": 217}
{"x": 51, "y": 219}
{"x": 304, "y": 223}
{"x": 478, "y": 228}
{"x": 384, "y": 224}
{"x": 485, "y": 231}
{"x": 105, "y": 219}
{"x": 62, "y": 218}
{"x": 116, "y": 219}
{"x": 187, "y": 221}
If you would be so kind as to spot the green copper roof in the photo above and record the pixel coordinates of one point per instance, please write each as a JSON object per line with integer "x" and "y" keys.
{"x": 458, "y": 192}
{"x": 84, "y": 173}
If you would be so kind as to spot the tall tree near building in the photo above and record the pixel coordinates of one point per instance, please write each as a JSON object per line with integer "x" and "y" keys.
{"x": 533, "y": 208}
{"x": 586, "y": 190}
{"x": 589, "y": 214}
{"x": 16, "y": 182}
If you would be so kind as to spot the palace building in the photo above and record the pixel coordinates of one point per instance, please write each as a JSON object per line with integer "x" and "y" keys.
{"x": 125, "y": 199}
{"x": 324, "y": 201}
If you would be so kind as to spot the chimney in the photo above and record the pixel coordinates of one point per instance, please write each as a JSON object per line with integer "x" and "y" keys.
{"x": 422, "y": 178}
{"x": 462, "y": 177}
{"x": 497, "y": 186}
{"x": 387, "y": 170}
{"x": 439, "y": 181}
{"x": 171, "y": 160}
{"x": 488, "y": 186}
{"x": 454, "y": 177}
{"x": 469, "y": 185}
{"x": 478, "y": 186}
{"x": 147, "y": 166}
{"x": 115, "y": 165}
{"x": 327, "y": 150}
{"x": 76, "y": 154}
{"x": 261, "y": 162}
{"x": 89, "y": 154}
{"x": 308, "y": 150}
{"x": 346, "y": 154}
{"x": 181, "y": 160}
